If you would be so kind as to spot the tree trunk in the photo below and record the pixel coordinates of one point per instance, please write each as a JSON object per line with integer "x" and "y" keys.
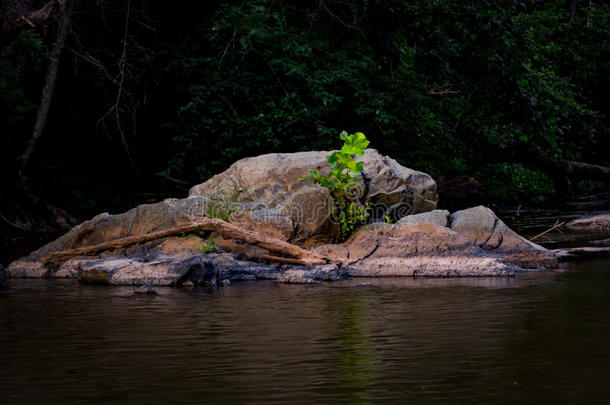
{"x": 63, "y": 26}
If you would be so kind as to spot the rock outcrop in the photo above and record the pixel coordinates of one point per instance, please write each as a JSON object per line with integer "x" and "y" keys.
{"x": 104, "y": 227}
{"x": 269, "y": 195}
{"x": 206, "y": 270}
{"x": 290, "y": 206}
{"x": 426, "y": 250}
{"x": 482, "y": 226}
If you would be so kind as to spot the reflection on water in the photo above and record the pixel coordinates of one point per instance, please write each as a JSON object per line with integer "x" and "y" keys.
{"x": 539, "y": 338}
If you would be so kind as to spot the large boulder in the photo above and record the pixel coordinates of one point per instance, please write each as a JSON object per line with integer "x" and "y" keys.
{"x": 303, "y": 218}
{"x": 483, "y": 227}
{"x": 277, "y": 184}
{"x": 427, "y": 250}
{"x": 389, "y": 183}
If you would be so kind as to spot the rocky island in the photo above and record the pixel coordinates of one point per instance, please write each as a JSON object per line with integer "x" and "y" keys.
{"x": 263, "y": 219}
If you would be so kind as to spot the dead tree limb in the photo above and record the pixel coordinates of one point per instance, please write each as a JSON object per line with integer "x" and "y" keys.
{"x": 281, "y": 251}
{"x": 556, "y": 226}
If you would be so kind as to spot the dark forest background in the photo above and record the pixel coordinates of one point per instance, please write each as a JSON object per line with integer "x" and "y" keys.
{"x": 507, "y": 101}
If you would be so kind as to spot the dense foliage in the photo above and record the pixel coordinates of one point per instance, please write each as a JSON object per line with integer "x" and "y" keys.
{"x": 443, "y": 86}
{"x": 505, "y": 91}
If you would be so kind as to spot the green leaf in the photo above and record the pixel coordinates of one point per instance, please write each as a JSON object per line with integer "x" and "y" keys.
{"x": 333, "y": 158}
{"x": 355, "y": 144}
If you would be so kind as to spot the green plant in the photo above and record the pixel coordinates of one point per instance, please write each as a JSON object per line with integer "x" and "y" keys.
{"x": 219, "y": 210}
{"x": 211, "y": 245}
{"x": 342, "y": 182}
{"x": 387, "y": 219}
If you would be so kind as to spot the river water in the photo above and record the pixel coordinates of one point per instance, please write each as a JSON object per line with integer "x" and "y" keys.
{"x": 539, "y": 338}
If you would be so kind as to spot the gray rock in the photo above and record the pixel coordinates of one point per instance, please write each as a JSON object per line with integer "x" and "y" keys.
{"x": 390, "y": 184}
{"x": 26, "y": 268}
{"x": 105, "y": 227}
{"x": 580, "y": 253}
{"x": 311, "y": 274}
{"x": 482, "y": 226}
{"x": 146, "y": 289}
{"x": 227, "y": 267}
{"x": 277, "y": 181}
{"x": 427, "y": 250}
{"x": 69, "y": 269}
{"x": 296, "y": 277}
{"x": 438, "y": 217}
{"x": 594, "y": 223}
{"x": 163, "y": 271}
{"x": 267, "y": 221}
{"x": 198, "y": 270}
{"x": 269, "y": 194}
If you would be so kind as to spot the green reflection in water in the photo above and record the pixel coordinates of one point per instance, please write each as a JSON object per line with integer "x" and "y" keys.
{"x": 356, "y": 367}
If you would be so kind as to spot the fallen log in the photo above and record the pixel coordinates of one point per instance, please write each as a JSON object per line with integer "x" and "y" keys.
{"x": 282, "y": 251}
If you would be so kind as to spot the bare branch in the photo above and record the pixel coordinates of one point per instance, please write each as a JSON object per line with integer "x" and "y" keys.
{"x": 556, "y": 226}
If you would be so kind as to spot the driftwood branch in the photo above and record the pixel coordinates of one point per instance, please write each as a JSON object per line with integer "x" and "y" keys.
{"x": 280, "y": 251}
{"x": 556, "y": 226}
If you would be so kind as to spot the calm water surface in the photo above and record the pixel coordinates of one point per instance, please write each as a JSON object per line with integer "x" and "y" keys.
{"x": 540, "y": 338}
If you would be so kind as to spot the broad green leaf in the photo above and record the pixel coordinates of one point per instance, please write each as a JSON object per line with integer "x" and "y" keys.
{"x": 333, "y": 158}
{"x": 355, "y": 144}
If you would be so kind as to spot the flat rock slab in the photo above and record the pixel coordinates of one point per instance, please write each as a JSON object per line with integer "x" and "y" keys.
{"x": 455, "y": 266}
{"x": 438, "y": 217}
{"x": 430, "y": 250}
{"x": 195, "y": 270}
{"x": 594, "y": 223}
{"x": 26, "y": 268}
{"x": 163, "y": 271}
{"x": 580, "y": 253}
